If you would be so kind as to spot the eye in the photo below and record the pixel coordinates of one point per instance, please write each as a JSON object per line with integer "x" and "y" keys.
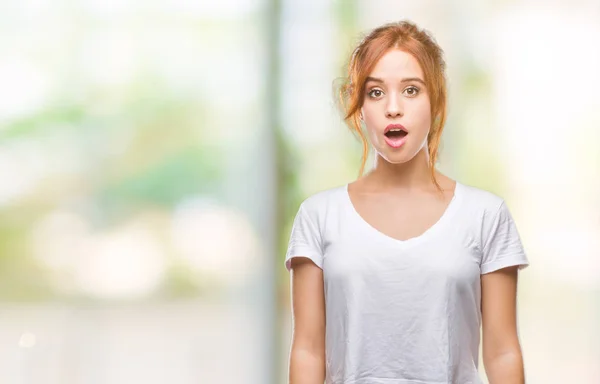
{"x": 375, "y": 93}
{"x": 414, "y": 91}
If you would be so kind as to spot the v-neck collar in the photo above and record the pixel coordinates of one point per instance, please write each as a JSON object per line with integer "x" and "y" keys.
{"x": 437, "y": 226}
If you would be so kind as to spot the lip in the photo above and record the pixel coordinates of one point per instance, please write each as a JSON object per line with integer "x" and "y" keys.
{"x": 394, "y": 126}
{"x": 395, "y": 143}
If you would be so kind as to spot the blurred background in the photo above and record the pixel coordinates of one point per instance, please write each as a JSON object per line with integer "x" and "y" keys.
{"x": 154, "y": 153}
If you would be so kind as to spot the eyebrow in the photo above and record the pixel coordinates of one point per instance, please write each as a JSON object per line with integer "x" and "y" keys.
{"x": 406, "y": 79}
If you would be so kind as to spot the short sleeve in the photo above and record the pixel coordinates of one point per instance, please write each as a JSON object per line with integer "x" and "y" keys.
{"x": 502, "y": 246}
{"x": 305, "y": 240}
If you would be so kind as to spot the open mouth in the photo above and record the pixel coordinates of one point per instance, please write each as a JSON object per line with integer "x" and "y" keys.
{"x": 395, "y": 137}
{"x": 396, "y": 133}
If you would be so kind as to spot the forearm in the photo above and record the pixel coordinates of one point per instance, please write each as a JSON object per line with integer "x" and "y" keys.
{"x": 506, "y": 368}
{"x": 306, "y": 367}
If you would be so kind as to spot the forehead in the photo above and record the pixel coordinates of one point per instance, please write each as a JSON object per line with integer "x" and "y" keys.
{"x": 396, "y": 64}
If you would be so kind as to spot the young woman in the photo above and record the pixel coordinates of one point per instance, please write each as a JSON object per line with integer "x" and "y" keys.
{"x": 394, "y": 274}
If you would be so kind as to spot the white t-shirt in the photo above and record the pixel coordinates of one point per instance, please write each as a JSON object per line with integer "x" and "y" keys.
{"x": 404, "y": 312}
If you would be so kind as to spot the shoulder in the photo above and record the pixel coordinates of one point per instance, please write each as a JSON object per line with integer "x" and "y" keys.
{"x": 482, "y": 201}
{"x": 317, "y": 204}
{"x": 488, "y": 218}
{"x": 483, "y": 211}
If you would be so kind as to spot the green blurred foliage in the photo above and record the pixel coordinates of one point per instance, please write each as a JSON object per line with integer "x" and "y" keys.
{"x": 146, "y": 151}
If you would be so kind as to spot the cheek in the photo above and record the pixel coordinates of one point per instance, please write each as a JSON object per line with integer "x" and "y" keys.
{"x": 370, "y": 119}
{"x": 423, "y": 108}
{"x": 422, "y": 116}
{"x": 370, "y": 126}
{"x": 368, "y": 111}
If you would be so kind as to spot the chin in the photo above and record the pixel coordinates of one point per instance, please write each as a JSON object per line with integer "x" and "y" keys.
{"x": 394, "y": 158}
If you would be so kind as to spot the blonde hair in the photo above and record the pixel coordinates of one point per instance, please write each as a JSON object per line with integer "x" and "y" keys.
{"x": 406, "y": 36}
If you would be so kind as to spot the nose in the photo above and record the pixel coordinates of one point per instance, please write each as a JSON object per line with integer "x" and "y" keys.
{"x": 394, "y": 107}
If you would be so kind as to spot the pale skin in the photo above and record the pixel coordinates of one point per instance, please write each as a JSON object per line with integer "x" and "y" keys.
{"x": 398, "y": 198}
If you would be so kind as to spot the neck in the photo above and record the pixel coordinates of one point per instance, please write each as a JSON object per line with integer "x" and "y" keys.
{"x": 414, "y": 174}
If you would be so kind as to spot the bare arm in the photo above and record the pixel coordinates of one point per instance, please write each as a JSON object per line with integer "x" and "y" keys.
{"x": 307, "y": 357}
{"x": 502, "y": 356}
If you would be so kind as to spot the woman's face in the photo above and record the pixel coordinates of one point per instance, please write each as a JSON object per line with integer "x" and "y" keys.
{"x": 396, "y": 108}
